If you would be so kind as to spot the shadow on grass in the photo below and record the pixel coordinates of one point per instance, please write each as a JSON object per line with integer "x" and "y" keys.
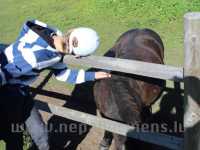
{"x": 168, "y": 120}
{"x": 80, "y": 100}
{"x": 192, "y": 113}
{"x": 66, "y": 134}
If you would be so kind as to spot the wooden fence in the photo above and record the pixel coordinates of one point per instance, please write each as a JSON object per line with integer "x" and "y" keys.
{"x": 122, "y": 65}
{"x": 158, "y": 71}
{"x": 191, "y": 78}
{"x": 129, "y": 66}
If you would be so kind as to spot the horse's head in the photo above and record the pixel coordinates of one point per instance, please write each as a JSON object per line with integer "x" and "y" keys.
{"x": 140, "y": 44}
{"x": 143, "y": 45}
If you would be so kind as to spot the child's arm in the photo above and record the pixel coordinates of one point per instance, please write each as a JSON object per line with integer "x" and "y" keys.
{"x": 74, "y": 76}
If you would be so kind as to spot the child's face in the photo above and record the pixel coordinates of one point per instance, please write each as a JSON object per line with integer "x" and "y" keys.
{"x": 67, "y": 44}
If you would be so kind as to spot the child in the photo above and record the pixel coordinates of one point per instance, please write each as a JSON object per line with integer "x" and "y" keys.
{"x": 39, "y": 47}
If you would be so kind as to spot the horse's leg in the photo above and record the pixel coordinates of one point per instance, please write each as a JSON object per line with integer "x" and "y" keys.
{"x": 106, "y": 141}
{"x": 119, "y": 142}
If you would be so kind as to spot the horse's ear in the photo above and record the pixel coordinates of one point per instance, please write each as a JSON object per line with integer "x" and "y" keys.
{"x": 110, "y": 53}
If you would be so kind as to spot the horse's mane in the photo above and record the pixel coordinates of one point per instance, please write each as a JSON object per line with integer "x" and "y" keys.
{"x": 138, "y": 44}
{"x": 142, "y": 32}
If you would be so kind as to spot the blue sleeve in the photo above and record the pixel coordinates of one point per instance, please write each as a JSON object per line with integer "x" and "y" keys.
{"x": 72, "y": 76}
{"x": 89, "y": 76}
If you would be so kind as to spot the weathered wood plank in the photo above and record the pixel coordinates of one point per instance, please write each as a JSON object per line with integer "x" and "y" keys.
{"x": 113, "y": 126}
{"x": 119, "y": 128}
{"x": 129, "y": 66}
{"x": 192, "y": 81}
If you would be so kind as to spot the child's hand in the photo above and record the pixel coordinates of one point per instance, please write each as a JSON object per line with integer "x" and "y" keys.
{"x": 101, "y": 75}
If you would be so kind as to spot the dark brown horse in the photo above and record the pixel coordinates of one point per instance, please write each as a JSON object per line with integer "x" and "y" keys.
{"x": 123, "y": 97}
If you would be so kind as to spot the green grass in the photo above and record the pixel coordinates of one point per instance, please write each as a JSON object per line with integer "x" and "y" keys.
{"x": 109, "y": 17}
{"x": 2, "y": 145}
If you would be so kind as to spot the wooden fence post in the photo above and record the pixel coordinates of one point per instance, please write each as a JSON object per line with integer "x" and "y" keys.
{"x": 192, "y": 81}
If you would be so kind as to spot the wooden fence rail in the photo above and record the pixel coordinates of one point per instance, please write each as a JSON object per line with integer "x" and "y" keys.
{"x": 174, "y": 143}
{"x": 153, "y": 70}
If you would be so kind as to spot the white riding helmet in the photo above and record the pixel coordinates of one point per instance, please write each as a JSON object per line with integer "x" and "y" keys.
{"x": 87, "y": 41}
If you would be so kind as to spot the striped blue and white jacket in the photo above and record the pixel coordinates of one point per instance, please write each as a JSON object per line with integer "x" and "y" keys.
{"x": 30, "y": 53}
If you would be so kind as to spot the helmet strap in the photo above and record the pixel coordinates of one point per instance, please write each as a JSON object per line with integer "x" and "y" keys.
{"x": 70, "y": 44}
